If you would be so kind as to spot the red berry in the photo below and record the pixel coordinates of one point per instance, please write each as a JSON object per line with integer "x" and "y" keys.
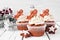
{"x": 3, "y": 9}
{"x": 10, "y": 10}
{"x": 7, "y": 12}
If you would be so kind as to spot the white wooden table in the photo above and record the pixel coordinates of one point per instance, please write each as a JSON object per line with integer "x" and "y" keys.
{"x": 15, "y": 35}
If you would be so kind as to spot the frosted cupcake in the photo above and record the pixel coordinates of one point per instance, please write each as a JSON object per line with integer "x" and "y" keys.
{"x": 49, "y": 21}
{"x": 22, "y": 23}
{"x": 36, "y": 26}
{"x": 21, "y": 20}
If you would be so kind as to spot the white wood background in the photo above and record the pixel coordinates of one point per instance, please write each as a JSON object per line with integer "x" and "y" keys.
{"x": 53, "y": 5}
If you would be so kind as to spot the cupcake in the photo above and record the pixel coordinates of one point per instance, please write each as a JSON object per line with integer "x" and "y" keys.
{"x": 49, "y": 21}
{"x": 21, "y": 21}
{"x": 36, "y": 26}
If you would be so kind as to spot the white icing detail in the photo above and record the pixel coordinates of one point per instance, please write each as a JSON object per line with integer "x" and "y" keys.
{"x": 51, "y": 28}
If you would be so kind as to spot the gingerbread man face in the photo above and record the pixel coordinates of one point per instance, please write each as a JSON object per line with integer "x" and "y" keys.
{"x": 45, "y": 12}
{"x": 20, "y": 11}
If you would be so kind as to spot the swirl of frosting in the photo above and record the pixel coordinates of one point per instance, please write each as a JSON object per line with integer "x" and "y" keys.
{"x": 22, "y": 18}
{"x": 36, "y": 20}
{"x": 48, "y": 18}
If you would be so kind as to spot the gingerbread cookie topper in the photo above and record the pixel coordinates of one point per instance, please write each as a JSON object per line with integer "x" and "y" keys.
{"x": 45, "y": 12}
{"x": 19, "y": 13}
{"x": 32, "y": 14}
{"x": 25, "y": 34}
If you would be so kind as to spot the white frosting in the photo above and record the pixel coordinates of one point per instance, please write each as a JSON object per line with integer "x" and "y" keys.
{"x": 22, "y": 18}
{"x": 36, "y": 20}
{"x": 48, "y": 18}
